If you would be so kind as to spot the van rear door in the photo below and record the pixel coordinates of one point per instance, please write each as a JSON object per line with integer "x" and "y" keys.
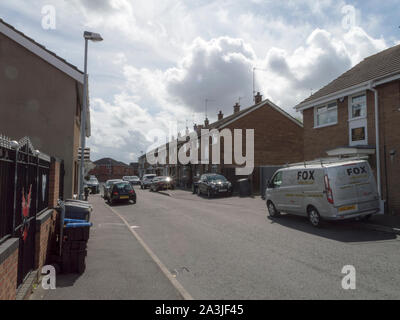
{"x": 352, "y": 184}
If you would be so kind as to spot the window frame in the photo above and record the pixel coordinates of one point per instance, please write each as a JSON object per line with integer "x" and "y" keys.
{"x": 350, "y": 107}
{"x": 358, "y": 122}
{"x": 316, "y": 125}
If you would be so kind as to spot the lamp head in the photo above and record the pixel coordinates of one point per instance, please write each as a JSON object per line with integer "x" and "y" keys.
{"x": 92, "y": 36}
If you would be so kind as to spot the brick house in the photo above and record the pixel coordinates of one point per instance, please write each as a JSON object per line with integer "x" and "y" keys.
{"x": 343, "y": 119}
{"x": 107, "y": 168}
{"x": 278, "y": 140}
{"x": 41, "y": 96}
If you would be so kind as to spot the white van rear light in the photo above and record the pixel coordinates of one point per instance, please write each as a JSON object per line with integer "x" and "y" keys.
{"x": 329, "y": 194}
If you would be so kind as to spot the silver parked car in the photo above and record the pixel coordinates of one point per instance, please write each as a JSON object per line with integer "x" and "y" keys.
{"x": 133, "y": 180}
{"x": 146, "y": 180}
{"x": 331, "y": 190}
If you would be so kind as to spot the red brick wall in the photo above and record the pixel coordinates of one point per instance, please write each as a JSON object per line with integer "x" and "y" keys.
{"x": 54, "y": 183}
{"x": 389, "y": 121}
{"x": 319, "y": 140}
{"x": 45, "y": 239}
{"x": 104, "y": 173}
{"x": 277, "y": 139}
{"x": 8, "y": 277}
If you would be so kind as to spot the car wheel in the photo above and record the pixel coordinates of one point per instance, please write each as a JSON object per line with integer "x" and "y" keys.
{"x": 314, "y": 217}
{"x": 272, "y": 210}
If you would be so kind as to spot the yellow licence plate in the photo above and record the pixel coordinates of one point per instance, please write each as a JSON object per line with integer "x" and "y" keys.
{"x": 347, "y": 208}
{"x": 124, "y": 197}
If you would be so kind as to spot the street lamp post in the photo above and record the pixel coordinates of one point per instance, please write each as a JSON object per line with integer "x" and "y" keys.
{"x": 93, "y": 37}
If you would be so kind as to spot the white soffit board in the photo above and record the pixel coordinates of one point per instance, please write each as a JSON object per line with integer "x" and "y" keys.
{"x": 40, "y": 52}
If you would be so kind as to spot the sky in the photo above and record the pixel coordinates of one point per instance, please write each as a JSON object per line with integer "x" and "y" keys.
{"x": 161, "y": 60}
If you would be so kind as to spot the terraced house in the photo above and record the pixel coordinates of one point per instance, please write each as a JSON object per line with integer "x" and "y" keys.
{"x": 358, "y": 114}
{"x": 278, "y": 140}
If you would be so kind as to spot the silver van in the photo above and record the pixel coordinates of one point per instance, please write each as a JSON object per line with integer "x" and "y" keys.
{"x": 330, "y": 190}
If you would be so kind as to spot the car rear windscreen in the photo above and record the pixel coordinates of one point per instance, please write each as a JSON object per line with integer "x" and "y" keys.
{"x": 123, "y": 186}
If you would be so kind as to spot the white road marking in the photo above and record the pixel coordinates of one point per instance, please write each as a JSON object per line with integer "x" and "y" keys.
{"x": 164, "y": 269}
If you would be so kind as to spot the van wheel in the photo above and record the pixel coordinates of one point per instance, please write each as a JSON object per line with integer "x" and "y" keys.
{"x": 272, "y": 210}
{"x": 314, "y": 217}
{"x": 366, "y": 218}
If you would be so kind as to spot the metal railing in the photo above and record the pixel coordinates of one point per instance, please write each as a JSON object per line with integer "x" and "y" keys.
{"x": 24, "y": 194}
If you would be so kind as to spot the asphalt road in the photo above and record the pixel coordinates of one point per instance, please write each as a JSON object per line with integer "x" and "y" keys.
{"x": 227, "y": 248}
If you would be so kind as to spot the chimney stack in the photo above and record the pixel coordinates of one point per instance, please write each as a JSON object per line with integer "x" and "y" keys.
{"x": 236, "y": 108}
{"x": 206, "y": 122}
{"x": 257, "y": 98}
{"x": 220, "y": 115}
{"x": 199, "y": 127}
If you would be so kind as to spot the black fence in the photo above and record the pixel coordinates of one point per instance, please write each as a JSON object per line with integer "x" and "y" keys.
{"x": 24, "y": 192}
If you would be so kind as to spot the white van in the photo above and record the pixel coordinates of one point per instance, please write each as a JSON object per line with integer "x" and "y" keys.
{"x": 331, "y": 190}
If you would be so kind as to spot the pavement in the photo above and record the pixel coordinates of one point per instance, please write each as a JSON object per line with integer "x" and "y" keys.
{"x": 117, "y": 266}
{"x": 226, "y": 248}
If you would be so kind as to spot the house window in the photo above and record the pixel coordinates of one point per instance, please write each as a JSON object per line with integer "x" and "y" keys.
{"x": 358, "y": 107}
{"x": 326, "y": 115}
{"x": 358, "y": 134}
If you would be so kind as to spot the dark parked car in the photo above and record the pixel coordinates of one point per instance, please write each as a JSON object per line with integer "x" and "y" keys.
{"x": 146, "y": 180}
{"x": 162, "y": 183}
{"x": 213, "y": 184}
{"x": 106, "y": 187}
{"x": 121, "y": 191}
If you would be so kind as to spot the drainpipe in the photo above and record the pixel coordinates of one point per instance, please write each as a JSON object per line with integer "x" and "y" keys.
{"x": 378, "y": 158}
